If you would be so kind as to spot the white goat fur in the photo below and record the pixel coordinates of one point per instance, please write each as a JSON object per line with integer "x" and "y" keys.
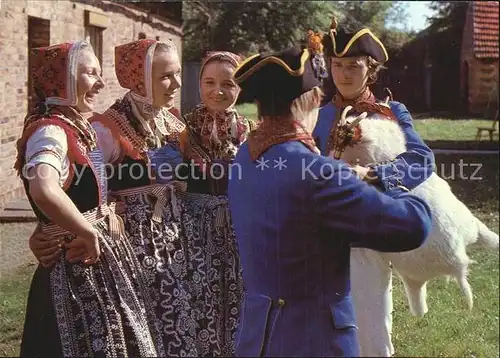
{"x": 454, "y": 227}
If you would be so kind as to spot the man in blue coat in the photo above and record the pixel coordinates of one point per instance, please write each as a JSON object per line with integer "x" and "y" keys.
{"x": 355, "y": 56}
{"x": 297, "y": 213}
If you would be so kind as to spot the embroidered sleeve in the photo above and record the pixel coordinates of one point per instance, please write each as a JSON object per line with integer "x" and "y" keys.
{"x": 49, "y": 145}
{"x": 411, "y": 168}
{"x": 109, "y": 146}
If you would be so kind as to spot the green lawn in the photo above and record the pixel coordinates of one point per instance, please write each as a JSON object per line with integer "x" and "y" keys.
{"x": 447, "y": 330}
{"x": 456, "y": 129}
{"x": 247, "y": 110}
{"x": 430, "y": 129}
{"x": 14, "y": 290}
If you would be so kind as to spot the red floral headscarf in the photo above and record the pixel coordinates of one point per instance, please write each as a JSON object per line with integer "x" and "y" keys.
{"x": 129, "y": 119}
{"x": 54, "y": 71}
{"x": 134, "y": 63}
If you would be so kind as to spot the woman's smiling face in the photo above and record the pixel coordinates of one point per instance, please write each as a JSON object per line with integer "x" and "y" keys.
{"x": 218, "y": 89}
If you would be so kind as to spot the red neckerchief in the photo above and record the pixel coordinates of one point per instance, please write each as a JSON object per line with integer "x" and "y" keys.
{"x": 271, "y": 132}
{"x": 366, "y": 102}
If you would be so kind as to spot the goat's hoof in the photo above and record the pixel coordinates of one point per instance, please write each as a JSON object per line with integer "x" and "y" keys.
{"x": 419, "y": 312}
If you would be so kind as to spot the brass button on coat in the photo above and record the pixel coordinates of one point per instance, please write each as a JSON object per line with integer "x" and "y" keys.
{"x": 281, "y": 302}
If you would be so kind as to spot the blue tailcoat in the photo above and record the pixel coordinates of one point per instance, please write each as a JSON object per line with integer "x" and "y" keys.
{"x": 294, "y": 229}
{"x": 409, "y": 169}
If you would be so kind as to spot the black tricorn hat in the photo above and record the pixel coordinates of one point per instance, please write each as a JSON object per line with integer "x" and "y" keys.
{"x": 357, "y": 41}
{"x": 276, "y": 77}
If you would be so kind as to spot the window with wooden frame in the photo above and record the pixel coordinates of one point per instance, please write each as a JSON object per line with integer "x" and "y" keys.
{"x": 95, "y": 24}
{"x": 93, "y": 35}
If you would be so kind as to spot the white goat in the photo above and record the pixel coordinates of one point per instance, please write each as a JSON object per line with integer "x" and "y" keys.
{"x": 443, "y": 254}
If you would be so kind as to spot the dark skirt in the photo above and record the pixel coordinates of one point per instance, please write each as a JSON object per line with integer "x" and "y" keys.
{"x": 41, "y": 334}
{"x": 186, "y": 247}
{"x": 220, "y": 293}
{"x": 98, "y": 310}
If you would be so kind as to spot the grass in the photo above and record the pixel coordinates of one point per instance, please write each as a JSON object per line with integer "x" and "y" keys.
{"x": 430, "y": 129}
{"x": 457, "y": 129}
{"x": 447, "y": 330}
{"x": 14, "y": 289}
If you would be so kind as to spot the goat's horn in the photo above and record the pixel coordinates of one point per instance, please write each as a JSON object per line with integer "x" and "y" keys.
{"x": 344, "y": 114}
{"x": 357, "y": 120}
{"x": 389, "y": 97}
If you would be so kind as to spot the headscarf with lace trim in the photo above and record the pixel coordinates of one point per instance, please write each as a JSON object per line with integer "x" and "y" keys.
{"x": 54, "y": 70}
{"x": 215, "y": 136}
{"x": 133, "y": 121}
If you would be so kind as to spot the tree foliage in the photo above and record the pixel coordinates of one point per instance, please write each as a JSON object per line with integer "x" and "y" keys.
{"x": 247, "y": 27}
{"x": 449, "y": 15}
{"x": 447, "y": 26}
{"x": 382, "y": 17}
{"x": 445, "y": 43}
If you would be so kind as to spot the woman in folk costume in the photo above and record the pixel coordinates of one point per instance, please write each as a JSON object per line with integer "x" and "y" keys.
{"x": 355, "y": 57}
{"x": 99, "y": 306}
{"x": 134, "y": 132}
{"x": 214, "y": 133}
{"x": 215, "y": 130}
{"x": 297, "y": 213}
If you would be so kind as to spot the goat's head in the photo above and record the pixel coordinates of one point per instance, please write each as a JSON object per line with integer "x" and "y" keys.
{"x": 382, "y": 140}
{"x": 353, "y": 122}
{"x": 347, "y": 132}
